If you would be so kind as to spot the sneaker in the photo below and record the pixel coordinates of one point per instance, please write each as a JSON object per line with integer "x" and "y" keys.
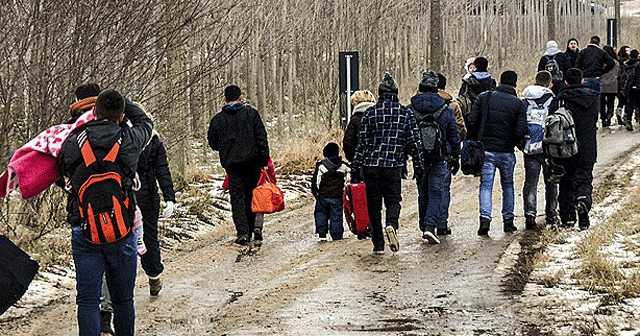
{"x": 105, "y": 323}
{"x": 508, "y": 226}
{"x": 257, "y": 236}
{"x": 378, "y": 251}
{"x": 392, "y": 238}
{"x": 444, "y": 232}
{"x": 485, "y": 225}
{"x": 430, "y": 235}
{"x": 243, "y": 240}
{"x": 531, "y": 223}
{"x": 322, "y": 238}
{"x": 155, "y": 286}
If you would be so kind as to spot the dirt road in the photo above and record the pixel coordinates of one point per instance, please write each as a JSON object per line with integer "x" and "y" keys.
{"x": 296, "y": 286}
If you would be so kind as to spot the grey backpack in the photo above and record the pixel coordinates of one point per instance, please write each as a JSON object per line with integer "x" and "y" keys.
{"x": 560, "y": 134}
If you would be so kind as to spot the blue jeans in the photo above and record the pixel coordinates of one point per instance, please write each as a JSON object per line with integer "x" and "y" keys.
{"x": 432, "y": 195}
{"x": 118, "y": 263}
{"x": 328, "y": 215}
{"x": 505, "y": 163}
{"x": 593, "y": 84}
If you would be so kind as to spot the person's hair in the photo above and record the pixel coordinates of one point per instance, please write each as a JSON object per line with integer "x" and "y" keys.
{"x": 634, "y": 54}
{"x": 573, "y": 76}
{"x": 543, "y": 78}
{"x": 611, "y": 52}
{"x": 87, "y": 90}
{"x": 509, "y": 78}
{"x": 109, "y": 105}
{"x": 622, "y": 53}
{"x": 362, "y": 96}
{"x": 481, "y": 63}
{"x": 595, "y": 40}
{"x": 331, "y": 150}
{"x": 572, "y": 40}
{"x": 442, "y": 81}
{"x": 232, "y": 93}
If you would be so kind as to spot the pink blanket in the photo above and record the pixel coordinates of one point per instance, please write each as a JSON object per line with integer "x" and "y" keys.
{"x": 32, "y": 168}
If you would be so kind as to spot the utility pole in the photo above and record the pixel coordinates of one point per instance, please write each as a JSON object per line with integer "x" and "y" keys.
{"x": 551, "y": 20}
{"x": 618, "y": 21}
{"x": 437, "y": 49}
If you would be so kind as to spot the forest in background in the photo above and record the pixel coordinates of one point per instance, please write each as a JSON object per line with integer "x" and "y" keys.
{"x": 176, "y": 56}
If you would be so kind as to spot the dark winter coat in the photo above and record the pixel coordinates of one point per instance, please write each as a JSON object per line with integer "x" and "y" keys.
{"x": 593, "y": 61}
{"x": 424, "y": 104}
{"x": 239, "y": 135}
{"x": 102, "y": 134}
{"x": 633, "y": 75}
{"x": 329, "y": 178}
{"x": 153, "y": 169}
{"x": 584, "y": 105}
{"x": 476, "y": 84}
{"x": 350, "y": 140}
{"x": 506, "y": 124}
{"x": 610, "y": 79}
{"x": 568, "y": 60}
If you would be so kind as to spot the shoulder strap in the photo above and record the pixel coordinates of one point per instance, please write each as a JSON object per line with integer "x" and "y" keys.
{"x": 88, "y": 155}
{"x": 485, "y": 116}
{"x": 437, "y": 114}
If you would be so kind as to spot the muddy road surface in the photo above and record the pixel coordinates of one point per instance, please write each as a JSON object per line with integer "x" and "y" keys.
{"x": 296, "y": 286}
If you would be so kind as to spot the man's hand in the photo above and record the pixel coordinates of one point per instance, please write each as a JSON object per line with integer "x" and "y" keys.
{"x": 168, "y": 209}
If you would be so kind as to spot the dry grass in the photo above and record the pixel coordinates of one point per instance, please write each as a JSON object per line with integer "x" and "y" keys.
{"x": 299, "y": 153}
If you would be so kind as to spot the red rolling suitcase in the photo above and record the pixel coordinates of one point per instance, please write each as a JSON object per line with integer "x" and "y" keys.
{"x": 355, "y": 207}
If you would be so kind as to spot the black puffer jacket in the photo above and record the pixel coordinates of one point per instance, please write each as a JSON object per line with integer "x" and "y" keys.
{"x": 476, "y": 84}
{"x": 237, "y": 132}
{"x": 506, "y": 124}
{"x": 584, "y": 105}
{"x": 153, "y": 166}
{"x": 102, "y": 134}
{"x": 593, "y": 61}
{"x": 350, "y": 140}
{"x": 568, "y": 60}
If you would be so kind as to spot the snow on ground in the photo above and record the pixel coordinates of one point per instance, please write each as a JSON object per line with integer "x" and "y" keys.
{"x": 569, "y": 308}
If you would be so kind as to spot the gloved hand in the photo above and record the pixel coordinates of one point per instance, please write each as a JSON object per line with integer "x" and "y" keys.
{"x": 454, "y": 165}
{"x": 168, "y": 209}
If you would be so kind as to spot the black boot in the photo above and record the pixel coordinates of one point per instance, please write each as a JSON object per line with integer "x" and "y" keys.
{"x": 531, "y": 223}
{"x": 508, "y": 226}
{"x": 629, "y": 126}
{"x": 583, "y": 213}
{"x": 485, "y": 225}
{"x": 105, "y": 323}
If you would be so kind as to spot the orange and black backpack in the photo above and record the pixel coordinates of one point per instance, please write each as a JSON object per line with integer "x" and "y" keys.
{"x": 102, "y": 192}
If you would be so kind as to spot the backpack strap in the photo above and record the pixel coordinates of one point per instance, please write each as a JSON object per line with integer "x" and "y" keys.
{"x": 439, "y": 112}
{"x": 485, "y": 116}
{"x": 113, "y": 152}
{"x": 86, "y": 151}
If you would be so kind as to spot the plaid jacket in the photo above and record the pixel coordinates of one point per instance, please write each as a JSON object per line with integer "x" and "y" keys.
{"x": 388, "y": 133}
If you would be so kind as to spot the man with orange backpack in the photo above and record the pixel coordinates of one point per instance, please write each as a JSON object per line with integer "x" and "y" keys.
{"x": 100, "y": 161}
{"x": 239, "y": 135}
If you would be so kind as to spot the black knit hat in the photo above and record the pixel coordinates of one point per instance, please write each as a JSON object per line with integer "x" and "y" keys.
{"x": 509, "y": 78}
{"x": 387, "y": 85}
{"x": 331, "y": 150}
{"x": 429, "y": 82}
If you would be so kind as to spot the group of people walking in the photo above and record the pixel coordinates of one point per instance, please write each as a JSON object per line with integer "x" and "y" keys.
{"x": 111, "y": 167}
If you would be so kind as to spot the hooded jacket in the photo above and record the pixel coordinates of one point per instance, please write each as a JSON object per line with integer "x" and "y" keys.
{"x": 584, "y": 105}
{"x": 506, "y": 123}
{"x": 427, "y": 103}
{"x": 329, "y": 177}
{"x": 239, "y": 135}
{"x": 457, "y": 112}
{"x": 102, "y": 134}
{"x": 153, "y": 169}
{"x": 540, "y": 97}
{"x": 610, "y": 79}
{"x": 633, "y": 75}
{"x": 593, "y": 61}
{"x": 476, "y": 84}
{"x": 350, "y": 139}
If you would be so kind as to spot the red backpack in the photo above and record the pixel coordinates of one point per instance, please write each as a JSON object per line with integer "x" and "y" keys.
{"x": 103, "y": 199}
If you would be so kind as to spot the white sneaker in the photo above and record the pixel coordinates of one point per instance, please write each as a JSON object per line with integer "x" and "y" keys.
{"x": 430, "y": 237}
{"x": 380, "y": 252}
{"x": 322, "y": 239}
{"x": 392, "y": 238}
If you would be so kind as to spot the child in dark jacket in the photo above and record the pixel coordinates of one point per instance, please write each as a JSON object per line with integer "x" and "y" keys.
{"x": 327, "y": 187}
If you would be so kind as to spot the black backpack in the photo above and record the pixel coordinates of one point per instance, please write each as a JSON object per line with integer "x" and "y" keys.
{"x": 17, "y": 270}
{"x": 627, "y": 77}
{"x": 553, "y": 67}
{"x": 431, "y": 135}
{"x": 102, "y": 191}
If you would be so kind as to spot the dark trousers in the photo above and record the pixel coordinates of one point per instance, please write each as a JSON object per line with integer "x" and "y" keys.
{"x": 151, "y": 261}
{"x": 241, "y": 185}
{"x": 118, "y": 263}
{"x": 607, "y": 107}
{"x": 328, "y": 217}
{"x": 533, "y": 166}
{"x": 433, "y": 196}
{"x": 576, "y": 183}
{"x": 633, "y": 105}
{"x": 383, "y": 184}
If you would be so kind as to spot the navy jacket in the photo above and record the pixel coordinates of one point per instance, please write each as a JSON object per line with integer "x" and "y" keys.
{"x": 594, "y": 62}
{"x": 429, "y": 103}
{"x": 506, "y": 124}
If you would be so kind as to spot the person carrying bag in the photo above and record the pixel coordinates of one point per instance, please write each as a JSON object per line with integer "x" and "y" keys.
{"x": 472, "y": 154}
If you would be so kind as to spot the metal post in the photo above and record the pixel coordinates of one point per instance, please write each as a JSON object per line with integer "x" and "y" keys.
{"x": 618, "y": 22}
{"x": 348, "y": 57}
